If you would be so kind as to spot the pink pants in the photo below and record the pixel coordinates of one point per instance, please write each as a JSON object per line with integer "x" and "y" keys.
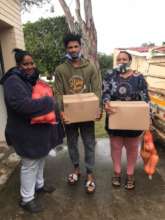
{"x": 131, "y": 144}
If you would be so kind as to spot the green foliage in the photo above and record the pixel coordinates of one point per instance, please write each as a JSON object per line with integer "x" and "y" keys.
{"x": 100, "y": 128}
{"x": 44, "y": 39}
{"x": 27, "y": 4}
{"x": 106, "y": 62}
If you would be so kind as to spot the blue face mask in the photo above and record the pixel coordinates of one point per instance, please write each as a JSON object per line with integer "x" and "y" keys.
{"x": 74, "y": 56}
{"x": 122, "y": 68}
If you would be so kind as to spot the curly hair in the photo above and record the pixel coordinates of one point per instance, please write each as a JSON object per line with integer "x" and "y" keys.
{"x": 72, "y": 37}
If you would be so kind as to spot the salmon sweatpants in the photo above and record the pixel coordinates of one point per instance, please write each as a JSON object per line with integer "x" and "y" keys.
{"x": 131, "y": 144}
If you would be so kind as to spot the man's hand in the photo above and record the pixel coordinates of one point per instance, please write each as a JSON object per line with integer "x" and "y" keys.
{"x": 64, "y": 118}
{"x": 99, "y": 115}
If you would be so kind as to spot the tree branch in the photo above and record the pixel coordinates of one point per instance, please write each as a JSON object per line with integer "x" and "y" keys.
{"x": 27, "y": 4}
{"x": 88, "y": 12}
{"x": 78, "y": 12}
{"x": 69, "y": 17}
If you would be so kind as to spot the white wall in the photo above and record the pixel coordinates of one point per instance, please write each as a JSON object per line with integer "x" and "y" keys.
{"x": 3, "y": 116}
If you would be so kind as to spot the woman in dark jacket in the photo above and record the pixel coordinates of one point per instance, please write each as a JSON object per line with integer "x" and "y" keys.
{"x": 124, "y": 84}
{"x": 31, "y": 142}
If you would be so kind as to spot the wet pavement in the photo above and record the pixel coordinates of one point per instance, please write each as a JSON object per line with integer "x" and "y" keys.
{"x": 146, "y": 202}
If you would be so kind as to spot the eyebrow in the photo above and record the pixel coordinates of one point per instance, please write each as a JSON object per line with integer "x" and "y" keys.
{"x": 27, "y": 63}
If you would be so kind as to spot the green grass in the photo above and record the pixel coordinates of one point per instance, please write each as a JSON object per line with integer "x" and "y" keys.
{"x": 100, "y": 130}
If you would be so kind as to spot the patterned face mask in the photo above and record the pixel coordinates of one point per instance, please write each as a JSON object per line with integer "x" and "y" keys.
{"x": 73, "y": 56}
{"x": 122, "y": 68}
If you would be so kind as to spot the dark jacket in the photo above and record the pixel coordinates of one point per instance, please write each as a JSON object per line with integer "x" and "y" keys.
{"x": 30, "y": 141}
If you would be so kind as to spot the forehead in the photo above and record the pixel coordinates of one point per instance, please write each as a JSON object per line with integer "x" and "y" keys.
{"x": 73, "y": 43}
{"x": 122, "y": 56}
{"x": 27, "y": 58}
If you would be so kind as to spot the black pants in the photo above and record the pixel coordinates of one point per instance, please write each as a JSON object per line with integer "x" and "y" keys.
{"x": 87, "y": 131}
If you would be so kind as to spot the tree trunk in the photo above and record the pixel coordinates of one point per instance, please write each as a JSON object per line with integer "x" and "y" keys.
{"x": 87, "y": 28}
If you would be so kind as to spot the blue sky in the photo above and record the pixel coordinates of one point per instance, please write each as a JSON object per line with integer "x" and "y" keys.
{"x": 119, "y": 23}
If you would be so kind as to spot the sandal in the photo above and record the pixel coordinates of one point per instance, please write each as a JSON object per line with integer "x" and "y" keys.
{"x": 130, "y": 182}
{"x": 116, "y": 181}
{"x": 73, "y": 178}
{"x": 90, "y": 186}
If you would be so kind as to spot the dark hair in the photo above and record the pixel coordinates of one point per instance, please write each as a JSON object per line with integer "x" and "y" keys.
{"x": 128, "y": 54}
{"x": 72, "y": 37}
{"x": 20, "y": 54}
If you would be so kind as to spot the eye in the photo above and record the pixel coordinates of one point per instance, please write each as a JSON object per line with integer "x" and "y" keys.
{"x": 118, "y": 60}
{"x": 26, "y": 64}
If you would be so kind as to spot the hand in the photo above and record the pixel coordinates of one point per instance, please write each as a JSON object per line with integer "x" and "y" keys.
{"x": 99, "y": 115}
{"x": 64, "y": 118}
{"x": 109, "y": 109}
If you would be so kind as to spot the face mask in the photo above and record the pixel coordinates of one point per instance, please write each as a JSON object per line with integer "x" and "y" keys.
{"x": 122, "y": 68}
{"x": 74, "y": 56}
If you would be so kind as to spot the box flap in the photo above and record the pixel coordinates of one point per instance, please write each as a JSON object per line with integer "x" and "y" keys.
{"x": 128, "y": 103}
{"x": 79, "y": 98}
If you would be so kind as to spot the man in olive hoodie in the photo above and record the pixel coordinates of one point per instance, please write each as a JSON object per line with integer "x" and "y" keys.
{"x": 78, "y": 75}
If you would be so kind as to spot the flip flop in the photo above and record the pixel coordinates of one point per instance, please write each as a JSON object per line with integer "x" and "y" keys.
{"x": 73, "y": 178}
{"x": 90, "y": 186}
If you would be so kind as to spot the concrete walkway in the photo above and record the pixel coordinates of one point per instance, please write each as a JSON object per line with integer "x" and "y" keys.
{"x": 146, "y": 202}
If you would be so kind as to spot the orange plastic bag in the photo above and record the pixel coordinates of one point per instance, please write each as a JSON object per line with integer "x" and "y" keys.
{"x": 149, "y": 154}
{"x": 40, "y": 90}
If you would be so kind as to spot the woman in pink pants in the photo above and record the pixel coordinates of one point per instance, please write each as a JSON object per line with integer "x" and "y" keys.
{"x": 123, "y": 84}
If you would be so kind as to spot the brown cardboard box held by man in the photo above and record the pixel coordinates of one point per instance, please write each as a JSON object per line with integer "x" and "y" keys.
{"x": 80, "y": 107}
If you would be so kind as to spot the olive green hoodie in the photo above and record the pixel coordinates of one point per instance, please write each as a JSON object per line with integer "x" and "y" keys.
{"x": 71, "y": 80}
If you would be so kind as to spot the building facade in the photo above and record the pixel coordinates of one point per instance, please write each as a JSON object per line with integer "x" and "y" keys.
{"x": 11, "y": 36}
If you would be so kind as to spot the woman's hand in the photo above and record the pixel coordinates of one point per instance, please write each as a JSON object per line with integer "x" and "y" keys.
{"x": 109, "y": 109}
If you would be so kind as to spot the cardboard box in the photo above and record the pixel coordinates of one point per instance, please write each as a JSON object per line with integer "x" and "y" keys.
{"x": 80, "y": 107}
{"x": 130, "y": 115}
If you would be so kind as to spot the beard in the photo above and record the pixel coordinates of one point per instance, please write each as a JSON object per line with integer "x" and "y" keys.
{"x": 73, "y": 56}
